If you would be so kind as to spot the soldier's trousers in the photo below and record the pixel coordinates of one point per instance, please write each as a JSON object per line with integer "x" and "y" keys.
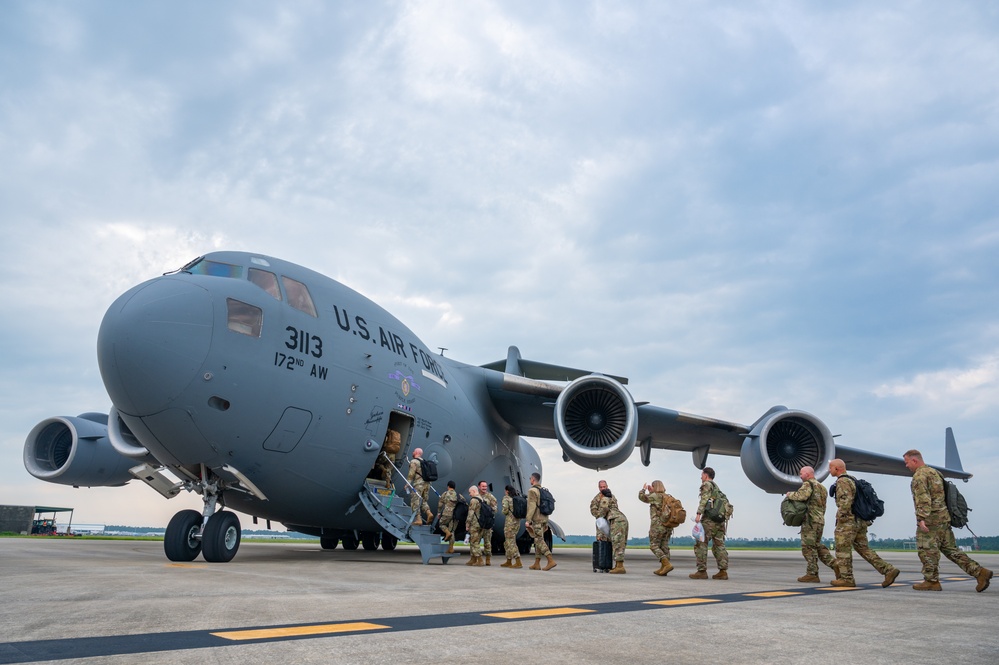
{"x": 540, "y": 546}
{"x": 475, "y": 540}
{"x": 659, "y": 539}
{"x": 420, "y": 498}
{"x": 852, "y": 535}
{"x": 510, "y": 529}
{"x": 447, "y": 522}
{"x": 812, "y": 548}
{"x": 619, "y": 537}
{"x": 715, "y": 532}
{"x": 487, "y": 542}
{"x": 940, "y": 538}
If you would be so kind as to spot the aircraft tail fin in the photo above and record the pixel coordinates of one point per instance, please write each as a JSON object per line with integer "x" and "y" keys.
{"x": 531, "y": 369}
{"x": 952, "y": 459}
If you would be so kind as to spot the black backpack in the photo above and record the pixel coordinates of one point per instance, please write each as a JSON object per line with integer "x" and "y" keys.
{"x": 460, "y": 513}
{"x": 519, "y": 507}
{"x": 866, "y": 504}
{"x": 487, "y": 516}
{"x": 428, "y": 469}
{"x": 957, "y": 505}
{"x": 546, "y": 503}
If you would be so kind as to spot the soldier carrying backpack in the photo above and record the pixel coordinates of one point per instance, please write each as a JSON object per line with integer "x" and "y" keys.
{"x": 665, "y": 514}
{"x": 715, "y": 508}
{"x": 934, "y": 534}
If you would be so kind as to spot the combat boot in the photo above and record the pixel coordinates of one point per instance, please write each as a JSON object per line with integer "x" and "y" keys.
{"x": 552, "y": 564}
{"x": 418, "y": 521}
{"x": 927, "y": 586}
{"x": 489, "y": 559}
{"x": 450, "y": 550}
{"x": 984, "y": 576}
{"x": 664, "y": 568}
{"x": 446, "y": 532}
{"x": 517, "y": 563}
{"x": 537, "y": 564}
{"x": 720, "y": 575}
{"x": 471, "y": 560}
{"x": 810, "y": 578}
{"x": 890, "y": 578}
{"x": 479, "y": 561}
{"x": 699, "y": 575}
{"x": 844, "y": 583}
{"x": 508, "y": 564}
{"x": 618, "y": 568}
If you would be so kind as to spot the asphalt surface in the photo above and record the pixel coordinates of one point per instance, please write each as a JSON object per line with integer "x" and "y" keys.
{"x": 66, "y": 600}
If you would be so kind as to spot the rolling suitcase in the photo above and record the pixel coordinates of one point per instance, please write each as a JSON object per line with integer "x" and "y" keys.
{"x": 603, "y": 556}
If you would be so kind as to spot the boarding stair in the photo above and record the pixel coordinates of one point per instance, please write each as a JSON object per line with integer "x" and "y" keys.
{"x": 393, "y": 514}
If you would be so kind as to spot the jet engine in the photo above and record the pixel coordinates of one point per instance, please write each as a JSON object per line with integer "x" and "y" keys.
{"x": 596, "y": 422}
{"x": 76, "y": 451}
{"x": 780, "y": 443}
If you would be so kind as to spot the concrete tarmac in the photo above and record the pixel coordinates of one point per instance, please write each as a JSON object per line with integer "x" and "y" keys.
{"x": 67, "y": 600}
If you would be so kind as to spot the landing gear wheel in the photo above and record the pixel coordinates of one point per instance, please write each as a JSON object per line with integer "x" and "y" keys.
{"x": 329, "y": 542}
{"x": 389, "y": 542}
{"x": 181, "y": 543}
{"x": 524, "y": 543}
{"x": 349, "y": 540}
{"x": 369, "y": 540}
{"x": 220, "y": 540}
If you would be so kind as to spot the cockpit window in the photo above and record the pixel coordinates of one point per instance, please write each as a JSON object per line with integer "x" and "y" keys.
{"x": 243, "y": 318}
{"x": 215, "y": 269}
{"x": 265, "y": 280}
{"x": 298, "y": 296}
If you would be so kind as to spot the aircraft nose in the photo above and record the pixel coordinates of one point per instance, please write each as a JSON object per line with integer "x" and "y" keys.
{"x": 152, "y": 343}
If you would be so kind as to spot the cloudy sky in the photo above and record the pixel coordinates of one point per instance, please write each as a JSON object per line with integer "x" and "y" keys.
{"x": 735, "y": 205}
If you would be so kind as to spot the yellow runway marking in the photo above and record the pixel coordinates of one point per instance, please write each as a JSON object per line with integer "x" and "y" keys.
{"x": 684, "y": 601}
{"x": 840, "y": 588}
{"x": 297, "y": 631}
{"x": 956, "y": 579}
{"x": 528, "y": 614}
{"x": 187, "y": 565}
{"x": 774, "y": 594}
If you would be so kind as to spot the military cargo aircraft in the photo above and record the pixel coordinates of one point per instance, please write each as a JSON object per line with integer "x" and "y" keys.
{"x": 270, "y": 389}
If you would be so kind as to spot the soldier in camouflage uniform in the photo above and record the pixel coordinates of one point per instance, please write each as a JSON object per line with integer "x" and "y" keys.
{"x": 851, "y": 533}
{"x": 448, "y": 501}
{"x": 537, "y": 522}
{"x": 659, "y": 534}
{"x": 473, "y": 528}
{"x": 487, "y": 534}
{"x": 511, "y": 525}
{"x": 812, "y": 492}
{"x": 713, "y": 531}
{"x": 933, "y": 532}
{"x": 595, "y": 507}
{"x": 420, "y": 497}
{"x": 608, "y": 509}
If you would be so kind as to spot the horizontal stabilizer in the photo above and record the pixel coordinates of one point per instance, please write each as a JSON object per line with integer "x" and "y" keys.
{"x": 532, "y": 369}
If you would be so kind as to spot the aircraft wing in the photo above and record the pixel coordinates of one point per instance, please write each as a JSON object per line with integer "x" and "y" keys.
{"x": 598, "y": 425}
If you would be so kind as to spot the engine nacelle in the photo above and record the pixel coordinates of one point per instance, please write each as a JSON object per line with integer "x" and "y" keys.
{"x": 76, "y": 451}
{"x": 596, "y": 422}
{"x": 780, "y": 444}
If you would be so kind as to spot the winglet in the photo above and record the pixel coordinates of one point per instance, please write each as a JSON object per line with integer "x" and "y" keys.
{"x": 952, "y": 459}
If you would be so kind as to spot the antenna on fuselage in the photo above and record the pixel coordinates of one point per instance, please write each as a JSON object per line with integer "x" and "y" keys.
{"x": 443, "y": 349}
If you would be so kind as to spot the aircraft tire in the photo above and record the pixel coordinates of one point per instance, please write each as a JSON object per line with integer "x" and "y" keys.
{"x": 220, "y": 540}
{"x": 180, "y": 542}
{"x": 349, "y": 540}
{"x": 524, "y": 543}
{"x": 389, "y": 542}
{"x": 329, "y": 542}
{"x": 370, "y": 539}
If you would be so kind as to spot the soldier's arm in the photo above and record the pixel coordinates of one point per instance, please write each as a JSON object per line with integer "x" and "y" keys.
{"x": 642, "y": 496}
{"x": 921, "y": 496}
{"x": 705, "y": 495}
{"x": 803, "y": 493}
